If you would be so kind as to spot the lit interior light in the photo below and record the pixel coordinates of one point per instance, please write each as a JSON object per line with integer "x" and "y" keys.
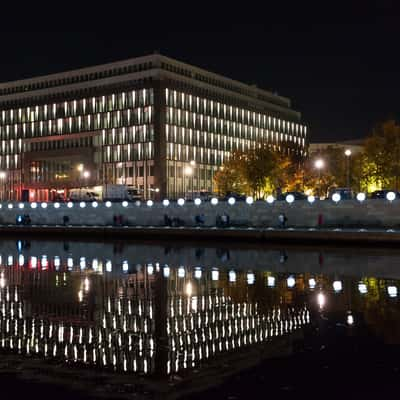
{"x": 10, "y": 260}
{"x": 321, "y": 300}
{"x": 197, "y": 273}
{"x": 150, "y": 269}
{"x": 95, "y": 264}
{"x": 290, "y": 198}
{"x": 271, "y": 281}
{"x": 249, "y": 200}
{"x": 181, "y": 202}
{"x": 70, "y": 262}
{"x": 291, "y": 282}
{"x": 108, "y": 266}
{"x": 392, "y": 291}
{"x": 232, "y": 276}
{"x": 57, "y": 261}
{"x": 197, "y": 202}
{"x": 337, "y": 286}
{"x": 350, "y": 319}
{"x": 214, "y": 201}
{"x": 181, "y": 272}
{"x": 125, "y": 266}
{"x": 361, "y": 197}
{"x": 150, "y": 203}
{"x": 189, "y": 289}
{"x": 312, "y": 283}
{"x": 362, "y": 288}
{"x": 311, "y": 199}
{"x": 82, "y": 262}
{"x": 33, "y": 262}
{"x": 44, "y": 262}
{"x": 21, "y": 260}
{"x": 165, "y": 202}
{"x": 214, "y": 275}
{"x": 86, "y": 284}
{"x": 251, "y": 278}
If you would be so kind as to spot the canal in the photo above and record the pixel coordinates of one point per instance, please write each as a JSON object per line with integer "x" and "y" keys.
{"x": 167, "y": 320}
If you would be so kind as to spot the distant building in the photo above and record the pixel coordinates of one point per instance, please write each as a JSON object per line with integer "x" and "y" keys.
{"x": 151, "y": 122}
{"x": 355, "y": 146}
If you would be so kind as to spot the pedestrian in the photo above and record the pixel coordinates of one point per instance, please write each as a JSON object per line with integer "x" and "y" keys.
{"x": 320, "y": 220}
{"x": 282, "y": 220}
{"x": 65, "y": 220}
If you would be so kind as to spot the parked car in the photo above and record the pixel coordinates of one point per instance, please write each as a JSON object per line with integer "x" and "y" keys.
{"x": 296, "y": 195}
{"x": 345, "y": 193}
{"x": 381, "y": 194}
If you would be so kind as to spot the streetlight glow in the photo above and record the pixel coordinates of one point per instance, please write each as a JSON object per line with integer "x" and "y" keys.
{"x": 347, "y": 153}
{"x": 319, "y": 163}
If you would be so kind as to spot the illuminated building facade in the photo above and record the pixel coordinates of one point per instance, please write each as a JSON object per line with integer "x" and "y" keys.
{"x": 152, "y": 123}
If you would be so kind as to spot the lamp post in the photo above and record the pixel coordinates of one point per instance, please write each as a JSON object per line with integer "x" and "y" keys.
{"x": 347, "y": 153}
{"x": 319, "y": 164}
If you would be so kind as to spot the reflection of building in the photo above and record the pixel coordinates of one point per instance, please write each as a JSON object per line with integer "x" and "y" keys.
{"x": 138, "y": 122}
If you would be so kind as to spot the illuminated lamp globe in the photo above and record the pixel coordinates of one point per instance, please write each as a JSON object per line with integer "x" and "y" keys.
{"x": 231, "y": 201}
{"x": 108, "y": 204}
{"x": 291, "y": 282}
{"x": 56, "y": 205}
{"x": 124, "y": 203}
{"x": 149, "y": 203}
{"x": 214, "y": 201}
{"x": 311, "y": 199}
{"x": 290, "y": 198}
{"x": 70, "y": 204}
{"x": 82, "y": 204}
{"x": 337, "y": 286}
{"x": 249, "y": 200}
{"x": 34, "y": 205}
{"x": 21, "y": 205}
{"x": 336, "y": 197}
{"x": 392, "y": 291}
{"x": 10, "y": 206}
{"x": 270, "y": 199}
{"x": 165, "y": 202}
{"x": 391, "y": 196}
{"x": 181, "y": 202}
{"x": 197, "y": 202}
{"x": 95, "y": 204}
{"x": 44, "y": 205}
{"x": 361, "y": 197}
{"x": 362, "y": 288}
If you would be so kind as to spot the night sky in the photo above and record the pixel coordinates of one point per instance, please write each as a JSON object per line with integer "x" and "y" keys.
{"x": 341, "y": 73}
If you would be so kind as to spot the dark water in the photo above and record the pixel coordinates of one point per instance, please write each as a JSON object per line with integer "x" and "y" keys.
{"x": 163, "y": 311}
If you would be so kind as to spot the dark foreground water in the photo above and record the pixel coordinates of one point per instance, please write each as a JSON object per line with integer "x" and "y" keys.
{"x": 159, "y": 320}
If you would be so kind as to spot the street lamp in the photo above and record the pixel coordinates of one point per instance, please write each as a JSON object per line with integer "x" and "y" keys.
{"x": 319, "y": 164}
{"x": 347, "y": 153}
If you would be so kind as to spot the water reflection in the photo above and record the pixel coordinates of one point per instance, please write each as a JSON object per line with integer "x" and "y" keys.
{"x": 156, "y": 317}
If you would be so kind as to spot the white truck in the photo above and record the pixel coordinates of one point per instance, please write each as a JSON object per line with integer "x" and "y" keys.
{"x": 109, "y": 192}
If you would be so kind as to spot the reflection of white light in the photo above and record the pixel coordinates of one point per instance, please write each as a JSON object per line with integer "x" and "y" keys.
{"x": 392, "y": 291}
{"x": 361, "y": 197}
{"x": 56, "y": 205}
{"x": 124, "y": 203}
{"x": 214, "y": 275}
{"x": 166, "y": 271}
{"x": 125, "y": 266}
{"x": 271, "y": 281}
{"x": 150, "y": 269}
{"x": 2, "y": 281}
{"x": 312, "y": 283}
{"x": 21, "y": 260}
{"x": 321, "y": 300}
{"x": 80, "y": 296}
{"x": 181, "y": 202}
{"x": 270, "y": 199}
{"x": 33, "y": 262}
{"x": 82, "y": 262}
{"x": 181, "y": 272}
{"x": 70, "y": 262}
{"x": 197, "y": 273}
{"x": 336, "y": 197}
{"x": 391, "y": 196}
{"x": 362, "y": 288}
{"x": 10, "y": 260}
{"x": 70, "y": 204}
{"x": 95, "y": 264}
{"x": 291, "y": 281}
{"x": 290, "y": 198}
{"x": 249, "y": 200}
{"x": 337, "y": 286}
{"x": 251, "y": 278}
{"x": 350, "y": 319}
{"x": 108, "y": 266}
{"x": 86, "y": 284}
{"x": 311, "y": 199}
{"x": 21, "y": 205}
{"x": 108, "y": 204}
{"x": 165, "y": 202}
{"x": 95, "y": 204}
{"x": 231, "y": 201}
{"x": 197, "y": 202}
{"x": 214, "y": 201}
{"x": 44, "y": 205}
{"x": 232, "y": 276}
{"x": 57, "y": 262}
{"x": 149, "y": 203}
{"x": 82, "y": 204}
{"x": 189, "y": 289}
{"x": 34, "y": 205}
{"x": 44, "y": 262}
